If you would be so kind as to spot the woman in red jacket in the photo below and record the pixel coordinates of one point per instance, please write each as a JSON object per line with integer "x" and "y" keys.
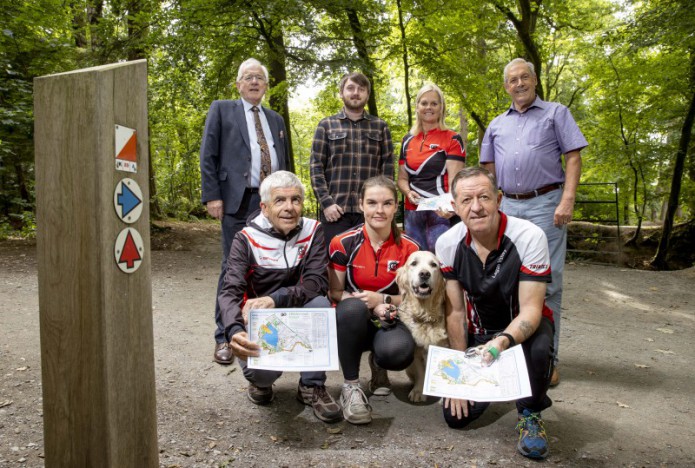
{"x": 362, "y": 280}
{"x": 431, "y": 155}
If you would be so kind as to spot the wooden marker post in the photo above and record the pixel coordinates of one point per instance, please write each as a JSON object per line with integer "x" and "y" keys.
{"x": 93, "y": 249}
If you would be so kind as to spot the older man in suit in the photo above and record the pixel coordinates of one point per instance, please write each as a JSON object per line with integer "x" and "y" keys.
{"x": 243, "y": 142}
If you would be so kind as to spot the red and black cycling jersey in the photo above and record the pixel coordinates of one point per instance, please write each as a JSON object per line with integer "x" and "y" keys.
{"x": 424, "y": 158}
{"x": 492, "y": 289}
{"x": 365, "y": 269}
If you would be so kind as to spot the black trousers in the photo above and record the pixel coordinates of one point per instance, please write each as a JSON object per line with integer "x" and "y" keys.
{"x": 538, "y": 351}
{"x": 393, "y": 347}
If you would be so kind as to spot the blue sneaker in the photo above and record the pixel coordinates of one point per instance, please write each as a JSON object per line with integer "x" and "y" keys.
{"x": 533, "y": 443}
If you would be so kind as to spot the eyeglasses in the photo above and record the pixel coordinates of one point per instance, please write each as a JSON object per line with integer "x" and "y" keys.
{"x": 250, "y": 78}
{"x": 519, "y": 79}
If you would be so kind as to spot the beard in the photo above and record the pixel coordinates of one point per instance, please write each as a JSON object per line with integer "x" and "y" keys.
{"x": 354, "y": 105}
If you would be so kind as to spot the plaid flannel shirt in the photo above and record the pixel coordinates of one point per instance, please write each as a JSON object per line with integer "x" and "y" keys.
{"x": 344, "y": 154}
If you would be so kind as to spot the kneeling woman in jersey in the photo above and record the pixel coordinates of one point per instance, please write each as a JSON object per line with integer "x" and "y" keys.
{"x": 362, "y": 273}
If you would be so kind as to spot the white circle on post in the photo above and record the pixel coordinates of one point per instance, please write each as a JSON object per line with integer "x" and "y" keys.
{"x": 127, "y": 200}
{"x": 129, "y": 250}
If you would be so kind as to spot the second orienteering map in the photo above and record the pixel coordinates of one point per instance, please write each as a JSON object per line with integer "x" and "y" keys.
{"x": 451, "y": 374}
{"x": 294, "y": 339}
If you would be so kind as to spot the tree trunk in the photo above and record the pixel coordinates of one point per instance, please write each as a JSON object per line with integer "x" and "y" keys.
{"x": 463, "y": 127}
{"x": 363, "y": 53}
{"x": 659, "y": 260}
{"x": 406, "y": 64}
{"x": 270, "y": 30}
{"x": 639, "y": 211}
{"x": 629, "y": 145}
{"x": 481, "y": 127}
{"x": 278, "y": 81}
{"x": 95, "y": 11}
{"x": 137, "y": 27}
{"x": 79, "y": 24}
{"x": 526, "y": 30}
{"x": 633, "y": 240}
{"x": 691, "y": 162}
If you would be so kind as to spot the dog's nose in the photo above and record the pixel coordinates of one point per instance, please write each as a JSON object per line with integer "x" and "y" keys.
{"x": 424, "y": 275}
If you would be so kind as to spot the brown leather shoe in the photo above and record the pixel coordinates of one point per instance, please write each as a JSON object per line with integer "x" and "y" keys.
{"x": 555, "y": 377}
{"x": 260, "y": 395}
{"x": 223, "y": 355}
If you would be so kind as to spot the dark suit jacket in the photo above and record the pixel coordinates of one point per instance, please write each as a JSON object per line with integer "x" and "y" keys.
{"x": 225, "y": 153}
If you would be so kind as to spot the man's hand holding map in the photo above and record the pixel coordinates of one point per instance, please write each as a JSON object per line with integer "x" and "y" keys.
{"x": 294, "y": 340}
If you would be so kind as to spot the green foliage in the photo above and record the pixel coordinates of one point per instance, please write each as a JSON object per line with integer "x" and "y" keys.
{"x": 19, "y": 225}
{"x": 621, "y": 67}
{"x": 33, "y": 41}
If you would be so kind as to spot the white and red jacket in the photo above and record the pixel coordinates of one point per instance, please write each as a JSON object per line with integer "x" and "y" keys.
{"x": 291, "y": 269}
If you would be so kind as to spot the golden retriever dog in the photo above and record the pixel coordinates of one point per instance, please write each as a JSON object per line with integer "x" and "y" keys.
{"x": 422, "y": 310}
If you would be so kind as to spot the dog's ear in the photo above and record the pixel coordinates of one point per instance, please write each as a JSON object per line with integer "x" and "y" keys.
{"x": 402, "y": 279}
{"x": 439, "y": 294}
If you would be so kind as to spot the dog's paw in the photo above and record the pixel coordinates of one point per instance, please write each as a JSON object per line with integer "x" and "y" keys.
{"x": 416, "y": 396}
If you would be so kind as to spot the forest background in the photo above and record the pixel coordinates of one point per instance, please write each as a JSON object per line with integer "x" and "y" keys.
{"x": 626, "y": 70}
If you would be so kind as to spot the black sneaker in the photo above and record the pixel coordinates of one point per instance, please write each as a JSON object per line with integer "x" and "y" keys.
{"x": 324, "y": 406}
{"x": 533, "y": 443}
{"x": 260, "y": 395}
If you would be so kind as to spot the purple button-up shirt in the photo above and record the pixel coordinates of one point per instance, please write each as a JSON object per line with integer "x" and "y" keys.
{"x": 527, "y": 147}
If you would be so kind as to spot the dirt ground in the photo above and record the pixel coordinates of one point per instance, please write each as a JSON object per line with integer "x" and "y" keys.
{"x": 625, "y": 398}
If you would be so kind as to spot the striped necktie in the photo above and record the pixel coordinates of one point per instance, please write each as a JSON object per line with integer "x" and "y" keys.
{"x": 265, "y": 151}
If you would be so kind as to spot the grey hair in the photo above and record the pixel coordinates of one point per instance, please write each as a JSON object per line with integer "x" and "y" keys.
{"x": 248, "y": 63}
{"x": 470, "y": 172}
{"x": 417, "y": 126}
{"x": 516, "y": 61}
{"x": 279, "y": 180}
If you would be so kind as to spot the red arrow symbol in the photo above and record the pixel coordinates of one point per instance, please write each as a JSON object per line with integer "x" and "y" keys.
{"x": 129, "y": 254}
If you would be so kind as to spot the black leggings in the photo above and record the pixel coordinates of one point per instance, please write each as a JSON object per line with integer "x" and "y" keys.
{"x": 393, "y": 347}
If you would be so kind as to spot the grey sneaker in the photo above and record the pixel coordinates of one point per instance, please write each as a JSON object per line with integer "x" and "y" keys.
{"x": 260, "y": 395}
{"x": 324, "y": 406}
{"x": 379, "y": 385}
{"x": 356, "y": 408}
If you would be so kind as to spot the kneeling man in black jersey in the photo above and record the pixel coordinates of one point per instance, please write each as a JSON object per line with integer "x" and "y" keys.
{"x": 500, "y": 265}
{"x": 278, "y": 260}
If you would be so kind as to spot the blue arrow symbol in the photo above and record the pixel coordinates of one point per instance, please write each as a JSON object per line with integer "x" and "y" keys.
{"x": 127, "y": 200}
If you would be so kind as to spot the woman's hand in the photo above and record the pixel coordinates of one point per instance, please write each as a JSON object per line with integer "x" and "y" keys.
{"x": 446, "y": 214}
{"x": 370, "y": 298}
{"x": 414, "y": 197}
{"x": 385, "y": 312}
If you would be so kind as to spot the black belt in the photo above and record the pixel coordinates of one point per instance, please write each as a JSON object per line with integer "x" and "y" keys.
{"x": 533, "y": 193}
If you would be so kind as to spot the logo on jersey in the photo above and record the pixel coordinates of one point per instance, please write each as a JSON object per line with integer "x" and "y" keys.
{"x": 302, "y": 251}
{"x": 392, "y": 265}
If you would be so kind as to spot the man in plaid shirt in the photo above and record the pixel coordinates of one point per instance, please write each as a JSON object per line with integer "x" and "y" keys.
{"x": 349, "y": 148}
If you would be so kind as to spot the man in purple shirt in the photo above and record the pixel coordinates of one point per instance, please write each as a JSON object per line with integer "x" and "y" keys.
{"x": 524, "y": 146}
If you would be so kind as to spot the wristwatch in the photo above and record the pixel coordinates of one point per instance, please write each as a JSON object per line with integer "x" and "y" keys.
{"x": 387, "y": 299}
